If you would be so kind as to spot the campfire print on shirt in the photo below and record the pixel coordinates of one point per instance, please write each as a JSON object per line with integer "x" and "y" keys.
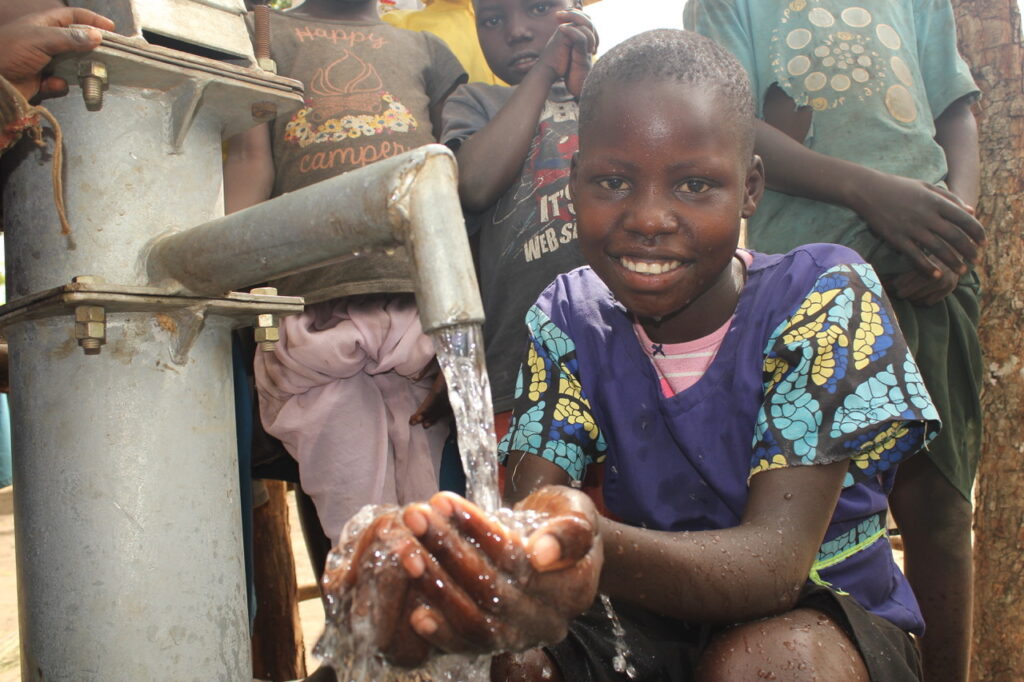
{"x": 346, "y": 100}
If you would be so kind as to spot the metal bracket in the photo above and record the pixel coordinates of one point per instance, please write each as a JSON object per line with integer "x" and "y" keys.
{"x": 185, "y": 101}
{"x": 185, "y": 315}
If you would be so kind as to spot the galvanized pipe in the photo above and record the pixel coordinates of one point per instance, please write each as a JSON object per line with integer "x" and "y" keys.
{"x": 408, "y": 200}
{"x": 126, "y": 505}
{"x": 127, "y": 522}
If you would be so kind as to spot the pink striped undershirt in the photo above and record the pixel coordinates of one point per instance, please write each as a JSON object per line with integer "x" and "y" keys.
{"x": 681, "y": 365}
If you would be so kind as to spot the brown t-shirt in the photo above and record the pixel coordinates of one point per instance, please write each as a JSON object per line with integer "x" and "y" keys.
{"x": 368, "y": 91}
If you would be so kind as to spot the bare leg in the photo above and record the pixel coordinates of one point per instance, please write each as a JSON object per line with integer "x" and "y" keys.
{"x": 935, "y": 523}
{"x": 799, "y": 645}
{"x": 528, "y": 666}
{"x": 317, "y": 543}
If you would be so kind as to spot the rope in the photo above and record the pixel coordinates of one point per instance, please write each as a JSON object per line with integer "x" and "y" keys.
{"x": 18, "y": 118}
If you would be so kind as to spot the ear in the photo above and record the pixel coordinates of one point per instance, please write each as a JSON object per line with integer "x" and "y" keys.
{"x": 573, "y": 175}
{"x": 754, "y": 187}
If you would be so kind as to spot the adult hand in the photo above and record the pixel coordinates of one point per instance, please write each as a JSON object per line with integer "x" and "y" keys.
{"x": 569, "y": 51}
{"x": 31, "y": 41}
{"x": 928, "y": 224}
{"x": 471, "y": 583}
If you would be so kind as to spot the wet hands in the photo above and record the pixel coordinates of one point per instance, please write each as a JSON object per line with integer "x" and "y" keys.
{"x": 930, "y": 225}
{"x": 448, "y": 577}
{"x": 30, "y": 42}
{"x": 569, "y": 51}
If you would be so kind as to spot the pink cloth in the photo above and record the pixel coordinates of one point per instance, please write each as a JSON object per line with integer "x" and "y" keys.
{"x": 338, "y": 392}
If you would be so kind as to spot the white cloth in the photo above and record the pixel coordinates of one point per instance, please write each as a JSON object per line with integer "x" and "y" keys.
{"x": 339, "y": 391}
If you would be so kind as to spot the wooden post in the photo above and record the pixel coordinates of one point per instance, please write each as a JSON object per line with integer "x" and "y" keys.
{"x": 990, "y": 40}
{"x": 278, "y": 652}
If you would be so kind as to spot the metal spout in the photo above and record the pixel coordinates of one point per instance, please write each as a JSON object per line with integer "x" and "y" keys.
{"x": 410, "y": 200}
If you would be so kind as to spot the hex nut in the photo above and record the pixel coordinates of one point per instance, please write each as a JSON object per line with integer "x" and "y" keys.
{"x": 88, "y": 68}
{"x": 90, "y": 313}
{"x": 267, "y": 334}
{"x": 266, "y": 320}
{"x": 90, "y": 330}
{"x": 264, "y": 291}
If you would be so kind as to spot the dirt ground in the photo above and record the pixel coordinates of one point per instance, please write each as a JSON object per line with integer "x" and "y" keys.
{"x": 311, "y": 611}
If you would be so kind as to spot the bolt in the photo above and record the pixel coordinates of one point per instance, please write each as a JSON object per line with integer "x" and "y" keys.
{"x": 90, "y": 328}
{"x": 267, "y": 332}
{"x": 261, "y": 26}
{"x": 92, "y": 76}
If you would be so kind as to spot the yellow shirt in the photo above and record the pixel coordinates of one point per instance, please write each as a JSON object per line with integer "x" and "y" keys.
{"x": 454, "y": 22}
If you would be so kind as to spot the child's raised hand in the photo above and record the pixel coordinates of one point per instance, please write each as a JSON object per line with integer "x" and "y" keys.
{"x": 928, "y": 224}
{"x": 569, "y": 51}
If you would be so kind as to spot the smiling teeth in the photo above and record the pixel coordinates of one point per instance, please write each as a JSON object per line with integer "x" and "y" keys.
{"x": 648, "y": 267}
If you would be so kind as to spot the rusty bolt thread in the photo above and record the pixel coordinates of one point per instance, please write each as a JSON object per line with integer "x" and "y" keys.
{"x": 90, "y": 346}
{"x": 261, "y": 19}
{"x": 92, "y": 92}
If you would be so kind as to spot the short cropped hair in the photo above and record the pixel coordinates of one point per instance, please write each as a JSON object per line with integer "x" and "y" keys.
{"x": 673, "y": 55}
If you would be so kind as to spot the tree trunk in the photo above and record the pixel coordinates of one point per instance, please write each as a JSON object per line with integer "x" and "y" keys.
{"x": 990, "y": 40}
{"x": 278, "y": 652}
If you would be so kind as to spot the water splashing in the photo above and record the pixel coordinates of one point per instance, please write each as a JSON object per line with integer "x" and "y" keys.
{"x": 351, "y": 652}
{"x": 620, "y": 662}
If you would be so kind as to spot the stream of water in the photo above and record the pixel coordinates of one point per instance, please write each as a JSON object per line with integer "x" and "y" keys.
{"x": 460, "y": 352}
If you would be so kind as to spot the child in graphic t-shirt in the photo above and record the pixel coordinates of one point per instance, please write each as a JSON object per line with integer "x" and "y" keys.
{"x": 514, "y": 146}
